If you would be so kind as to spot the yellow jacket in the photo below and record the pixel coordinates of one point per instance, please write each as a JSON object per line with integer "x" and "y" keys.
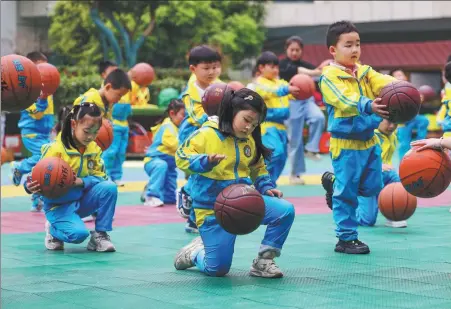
{"x": 165, "y": 142}
{"x": 388, "y": 143}
{"x": 37, "y": 118}
{"x": 444, "y": 114}
{"x": 208, "y": 179}
{"x": 195, "y": 114}
{"x": 93, "y": 96}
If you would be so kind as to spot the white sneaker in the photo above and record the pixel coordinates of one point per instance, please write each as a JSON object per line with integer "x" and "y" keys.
{"x": 89, "y": 218}
{"x": 119, "y": 183}
{"x": 51, "y": 242}
{"x": 296, "y": 180}
{"x": 450, "y": 210}
{"x": 396, "y": 224}
{"x": 184, "y": 258}
{"x": 100, "y": 242}
{"x": 265, "y": 268}
{"x": 313, "y": 155}
{"x": 153, "y": 202}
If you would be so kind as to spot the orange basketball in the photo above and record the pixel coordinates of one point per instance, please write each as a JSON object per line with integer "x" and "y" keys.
{"x": 54, "y": 175}
{"x": 395, "y": 203}
{"x": 426, "y": 173}
{"x": 305, "y": 83}
{"x": 105, "y": 135}
{"x": 21, "y": 83}
{"x": 235, "y": 85}
{"x": 142, "y": 74}
{"x": 7, "y": 155}
{"x": 50, "y": 77}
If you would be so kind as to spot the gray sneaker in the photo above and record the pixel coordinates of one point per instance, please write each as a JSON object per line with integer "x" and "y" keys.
{"x": 51, "y": 242}
{"x": 100, "y": 242}
{"x": 265, "y": 268}
{"x": 183, "y": 257}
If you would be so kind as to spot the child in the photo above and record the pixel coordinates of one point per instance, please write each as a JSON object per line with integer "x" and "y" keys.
{"x": 275, "y": 93}
{"x": 106, "y": 67}
{"x": 349, "y": 92}
{"x": 444, "y": 115}
{"x": 218, "y": 157}
{"x": 91, "y": 191}
{"x": 368, "y": 208}
{"x": 159, "y": 162}
{"x": 35, "y": 124}
{"x": 216, "y": 64}
{"x": 255, "y": 75}
{"x": 420, "y": 123}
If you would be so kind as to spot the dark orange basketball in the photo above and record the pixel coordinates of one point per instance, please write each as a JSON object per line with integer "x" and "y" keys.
{"x": 50, "y": 77}
{"x": 395, "y": 203}
{"x": 402, "y": 99}
{"x": 143, "y": 74}
{"x": 235, "y": 85}
{"x": 425, "y": 173}
{"x": 427, "y": 92}
{"x": 212, "y": 98}
{"x": 54, "y": 175}
{"x": 105, "y": 135}
{"x": 7, "y": 155}
{"x": 21, "y": 83}
{"x": 239, "y": 209}
{"x": 305, "y": 83}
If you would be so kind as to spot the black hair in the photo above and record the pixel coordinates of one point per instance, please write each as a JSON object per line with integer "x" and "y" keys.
{"x": 447, "y": 71}
{"x": 338, "y": 28}
{"x": 62, "y": 114}
{"x": 118, "y": 79}
{"x": 77, "y": 113}
{"x": 294, "y": 39}
{"x": 267, "y": 57}
{"x": 203, "y": 53}
{"x": 394, "y": 70}
{"x": 243, "y": 99}
{"x": 36, "y": 56}
{"x": 449, "y": 58}
{"x": 175, "y": 105}
{"x": 103, "y": 65}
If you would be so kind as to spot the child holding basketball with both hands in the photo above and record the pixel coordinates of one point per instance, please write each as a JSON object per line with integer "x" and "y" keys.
{"x": 91, "y": 191}
{"x": 217, "y": 157}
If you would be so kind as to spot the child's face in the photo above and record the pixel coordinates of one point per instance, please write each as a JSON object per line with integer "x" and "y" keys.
{"x": 269, "y": 71}
{"x": 294, "y": 51}
{"x": 244, "y": 123}
{"x": 347, "y": 50}
{"x": 114, "y": 95}
{"x": 399, "y": 75}
{"x": 86, "y": 129}
{"x": 177, "y": 117}
{"x": 205, "y": 73}
{"x": 107, "y": 71}
{"x": 387, "y": 127}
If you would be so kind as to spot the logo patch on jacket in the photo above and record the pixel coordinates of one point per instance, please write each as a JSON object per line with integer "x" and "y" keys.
{"x": 91, "y": 164}
{"x": 247, "y": 151}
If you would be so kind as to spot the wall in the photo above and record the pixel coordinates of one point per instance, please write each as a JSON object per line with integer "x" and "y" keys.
{"x": 8, "y": 27}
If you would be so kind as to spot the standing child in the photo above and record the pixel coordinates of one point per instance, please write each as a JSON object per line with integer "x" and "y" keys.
{"x": 275, "y": 93}
{"x": 232, "y": 154}
{"x": 349, "y": 92}
{"x": 444, "y": 114}
{"x": 159, "y": 162}
{"x": 91, "y": 191}
{"x": 35, "y": 124}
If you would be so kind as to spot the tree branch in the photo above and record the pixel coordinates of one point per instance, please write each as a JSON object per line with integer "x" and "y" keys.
{"x": 108, "y": 34}
{"x": 151, "y": 25}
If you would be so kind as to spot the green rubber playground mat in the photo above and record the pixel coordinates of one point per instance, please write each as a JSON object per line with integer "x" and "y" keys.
{"x": 407, "y": 268}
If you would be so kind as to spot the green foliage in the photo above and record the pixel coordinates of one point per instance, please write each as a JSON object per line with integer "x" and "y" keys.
{"x": 72, "y": 87}
{"x": 160, "y": 84}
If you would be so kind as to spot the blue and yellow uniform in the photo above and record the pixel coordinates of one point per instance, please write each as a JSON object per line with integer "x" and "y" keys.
{"x": 444, "y": 114}
{"x": 274, "y": 132}
{"x": 368, "y": 207}
{"x": 354, "y": 148}
{"x": 209, "y": 179}
{"x": 97, "y": 194}
{"x": 195, "y": 115}
{"x": 93, "y": 96}
{"x": 159, "y": 162}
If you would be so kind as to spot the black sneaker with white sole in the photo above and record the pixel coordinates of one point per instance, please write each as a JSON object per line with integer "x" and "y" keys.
{"x": 352, "y": 247}
{"x": 327, "y": 180}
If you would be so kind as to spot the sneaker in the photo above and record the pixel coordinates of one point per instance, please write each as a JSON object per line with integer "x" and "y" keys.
{"x": 51, "y": 242}
{"x": 89, "y": 218}
{"x": 143, "y": 194}
{"x": 119, "y": 183}
{"x": 15, "y": 175}
{"x": 191, "y": 227}
{"x": 396, "y": 224}
{"x": 297, "y": 180}
{"x": 313, "y": 155}
{"x": 265, "y": 268}
{"x": 153, "y": 202}
{"x": 100, "y": 242}
{"x": 184, "y": 258}
{"x": 184, "y": 203}
{"x": 36, "y": 203}
{"x": 327, "y": 180}
{"x": 352, "y": 247}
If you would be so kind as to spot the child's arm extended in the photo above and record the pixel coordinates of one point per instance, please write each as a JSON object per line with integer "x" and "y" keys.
{"x": 36, "y": 110}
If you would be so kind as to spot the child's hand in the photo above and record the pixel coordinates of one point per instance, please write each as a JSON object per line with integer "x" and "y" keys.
{"x": 78, "y": 182}
{"x": 216, "y": 158}
{"x": 33, "y": 186}
{"x": 387, "y": 167}
{"x": 302, "y": 70}
{"x": 43, "y": 95}
{"x": 274, "y": 193}
{"x": 294, "y": 90}
{"x": 379, "y": 109}
{"x": 433, "y": 143}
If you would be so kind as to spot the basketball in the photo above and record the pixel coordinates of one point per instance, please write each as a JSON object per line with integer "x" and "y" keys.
{"x": 212, "y": 98}
{"x": 7, "y": 155}
{"x": 54, "y": 176}
{"x": 239, "y": 209}
{"x": 21, "y": 83}
{"x": 395, "y": 203}
{"x": 105, "y": 136}
{"x": 402, "y": 100}
{"x": 142, "y": 74}
{"x": 426, "y": 173}
{"x": 235, "y": 85}
{"x": 305, "y": 83}
{"x": 427, "y": 92}
{"x": 50, "y": 78}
